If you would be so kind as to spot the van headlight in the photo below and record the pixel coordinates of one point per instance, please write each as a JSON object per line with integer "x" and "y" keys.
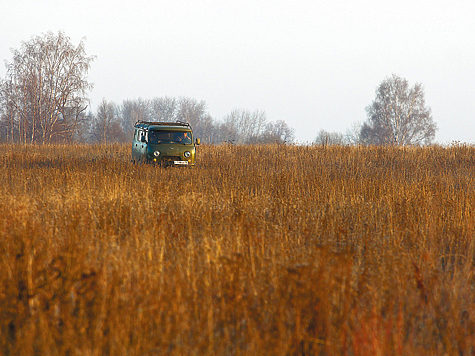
{"x": 187, "y": 154}
{"x": 156, "y": 153}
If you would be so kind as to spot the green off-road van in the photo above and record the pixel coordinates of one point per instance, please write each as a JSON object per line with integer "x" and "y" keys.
{"x": 164, "y": 143}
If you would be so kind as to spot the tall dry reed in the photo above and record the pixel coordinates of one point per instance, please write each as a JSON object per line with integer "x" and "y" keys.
{"x": 258, "y": 250}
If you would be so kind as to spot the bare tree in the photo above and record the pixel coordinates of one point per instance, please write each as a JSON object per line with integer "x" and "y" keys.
{"x": 47, "y": 88}
{"x": 164, "y": 109}
{"x": 398, "y": 115}
{"x": 325, "y": 138}
{"x": 278, "y": 131}
{"x": 352, "y": 135}
{"x": 195, "y": 113}
{"x": 243, "y": 126}
{"x": 247, "y": 126}
{"x": 225, "y": 132}
{"x": 106, "y": 125}
{"x": 191, "y": 111}
{"x": 207, "y": 129}
{"x": 8, "y": 117}
{"x": 84, "y": 132}
{"x": 131, "y": 111}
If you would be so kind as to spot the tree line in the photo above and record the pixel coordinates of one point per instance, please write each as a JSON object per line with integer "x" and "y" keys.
{"x": 44, "y": 99}
{"x": 114, "y": 123}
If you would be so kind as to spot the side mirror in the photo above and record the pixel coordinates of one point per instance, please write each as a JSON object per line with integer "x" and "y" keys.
{"x": 143, "y": 139}
{"x": 197, "y": 142}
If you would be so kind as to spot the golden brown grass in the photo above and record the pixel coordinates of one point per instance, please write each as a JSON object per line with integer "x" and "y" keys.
{"x": 259, "y": 250}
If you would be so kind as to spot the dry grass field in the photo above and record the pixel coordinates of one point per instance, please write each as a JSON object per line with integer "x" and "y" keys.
{"x": 258, "y": 250}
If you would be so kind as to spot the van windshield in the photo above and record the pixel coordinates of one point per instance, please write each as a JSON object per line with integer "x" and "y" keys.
{"x": 156, "y": 136}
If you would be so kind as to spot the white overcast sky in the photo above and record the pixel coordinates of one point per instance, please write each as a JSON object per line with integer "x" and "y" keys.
{"x": 314, "y": 64}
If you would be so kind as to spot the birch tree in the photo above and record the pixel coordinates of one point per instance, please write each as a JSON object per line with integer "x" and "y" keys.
{"x": 47, "y": 88}
{"x": 398, "y": 115}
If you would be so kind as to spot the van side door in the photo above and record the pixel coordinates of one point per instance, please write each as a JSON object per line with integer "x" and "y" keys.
{"x": 142, "y": 145}
{"x": 135, "y": 145}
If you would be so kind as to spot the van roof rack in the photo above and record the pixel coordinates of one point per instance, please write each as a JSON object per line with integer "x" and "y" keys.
{"x": 143, "y": 124}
